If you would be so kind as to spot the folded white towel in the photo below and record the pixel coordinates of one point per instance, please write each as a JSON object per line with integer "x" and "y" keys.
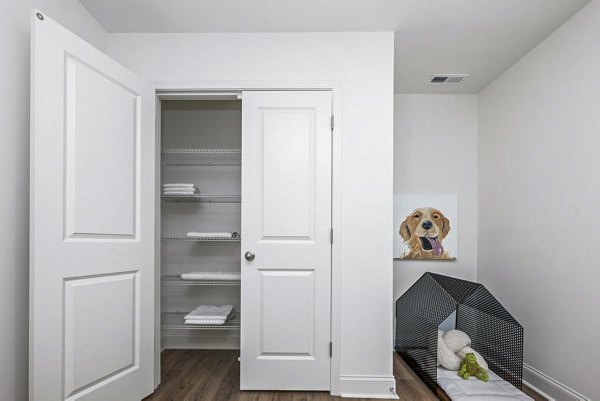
{"x": 195, "y": 234}
{"x": 179, "y": 189}
{"x": 172, "y": 193}
{"x": 206, "y": 321}
{"x": 210, "y": 312}
{"x": 217, "y": 276}
{"x": 182, "y": 185}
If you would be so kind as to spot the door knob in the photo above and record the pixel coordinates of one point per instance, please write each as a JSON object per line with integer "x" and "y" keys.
{"x": 249, "y": 256}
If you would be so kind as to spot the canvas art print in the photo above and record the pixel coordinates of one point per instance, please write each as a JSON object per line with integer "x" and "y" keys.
{"x": 425, "y": 227}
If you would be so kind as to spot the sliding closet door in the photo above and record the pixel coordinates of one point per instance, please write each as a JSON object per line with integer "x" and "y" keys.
{"x": 286, "y": 249}
{"x": 92, "y": 223}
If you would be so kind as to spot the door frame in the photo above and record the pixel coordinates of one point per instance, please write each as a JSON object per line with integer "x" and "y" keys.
{"x": 335, "y": 87}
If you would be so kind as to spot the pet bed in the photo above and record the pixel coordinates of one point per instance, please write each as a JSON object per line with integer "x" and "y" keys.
{"x": 495, "y": 389}
{"x": 493, "y": 332}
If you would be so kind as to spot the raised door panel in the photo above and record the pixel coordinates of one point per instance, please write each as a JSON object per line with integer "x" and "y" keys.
{"x": 102, "y": 131}
{"x": 287, "y": 173}
{"x": 101, "y": 330}
{"x": 287, "y": 314}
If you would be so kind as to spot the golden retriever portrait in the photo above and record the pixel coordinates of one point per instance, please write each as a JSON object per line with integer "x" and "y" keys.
{"x": 423, "y": 232}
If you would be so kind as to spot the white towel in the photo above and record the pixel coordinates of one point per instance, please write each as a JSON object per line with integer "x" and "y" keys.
{"x": 205, "y": 321}
{"x": 210, "y": 312}
{"x": 171, "y": 193}
{"x": 182, "y": 185}
{"x": 175, "y": 188}
{"x": 195, "y": 234}
{"x": 217, "y": 276}
{"x": 192, "y": 188}
{"x": 182, "y": 189}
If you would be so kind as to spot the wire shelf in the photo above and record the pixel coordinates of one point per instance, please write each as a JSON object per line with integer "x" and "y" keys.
{"x": 177, "y": 280}
{"x": 204, "y": 198}
{"x": 202, "y": 157}
{"x": 174, "y": 322}
{"x": 235, "y": 238}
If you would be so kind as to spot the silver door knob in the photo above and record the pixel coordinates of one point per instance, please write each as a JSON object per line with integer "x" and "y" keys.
{"x": 249, "y": 256}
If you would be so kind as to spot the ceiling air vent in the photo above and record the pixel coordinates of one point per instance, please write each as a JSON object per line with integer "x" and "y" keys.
{"x": 448, "y": 78}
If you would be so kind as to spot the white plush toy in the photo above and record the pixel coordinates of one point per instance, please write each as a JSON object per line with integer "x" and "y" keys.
{"x": 452, "y": 348}
{"x": 445, "y": 356}
{"x": 456, "y": 340}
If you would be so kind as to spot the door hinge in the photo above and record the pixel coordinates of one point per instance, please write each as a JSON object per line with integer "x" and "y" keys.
{"x": 331, "y": 235}
{"x": 330, "y": 349}
{"x": 332, "y": 122}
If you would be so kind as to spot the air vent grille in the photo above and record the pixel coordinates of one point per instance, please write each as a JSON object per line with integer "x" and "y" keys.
{"x": 448, "y": 78}
{"x": 438, "y": 80}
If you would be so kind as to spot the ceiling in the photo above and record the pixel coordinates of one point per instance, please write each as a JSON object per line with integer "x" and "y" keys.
{"x": 480, "y": 37}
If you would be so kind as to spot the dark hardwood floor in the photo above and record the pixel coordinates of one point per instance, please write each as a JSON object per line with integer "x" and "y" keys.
{"x": 214, "y": 375}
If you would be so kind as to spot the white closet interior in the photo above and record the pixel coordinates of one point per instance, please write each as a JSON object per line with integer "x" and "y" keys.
{"x": 201, "y": 142}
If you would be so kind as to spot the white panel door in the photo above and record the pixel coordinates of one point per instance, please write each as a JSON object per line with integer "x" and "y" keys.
{"x": 92, "y": 223}
{"x": 286, "y": 222}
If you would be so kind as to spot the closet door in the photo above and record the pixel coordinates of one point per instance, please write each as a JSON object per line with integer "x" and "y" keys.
{"x": 286, "y": 249}
{"x": 92, "y": 223}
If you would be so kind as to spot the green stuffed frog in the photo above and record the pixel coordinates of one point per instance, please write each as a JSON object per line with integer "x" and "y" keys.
{"x": 469, "y": 367}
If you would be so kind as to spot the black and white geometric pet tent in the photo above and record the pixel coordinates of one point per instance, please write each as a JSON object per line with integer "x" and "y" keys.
{"x": 494, "y": 333}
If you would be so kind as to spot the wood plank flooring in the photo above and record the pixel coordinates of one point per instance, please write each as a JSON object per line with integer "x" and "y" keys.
{"x": 214, "y": 375}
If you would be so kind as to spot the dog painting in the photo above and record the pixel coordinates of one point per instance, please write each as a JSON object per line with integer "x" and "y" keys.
{"x": 425, "y": 227}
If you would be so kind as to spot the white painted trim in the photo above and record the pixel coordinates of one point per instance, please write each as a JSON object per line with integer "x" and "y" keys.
{"x": 336, "y": 191}
{"x": 200, "y": 86}
{"x": 194, "y": 95}
{"x": 32, "y": 192}
{"x": 353, "y": 386}
{"x": 537, "y": 390}
{"x": 548, "y": 387}
{"x": 157, "y": 245}
{"x": 336, "y": 247}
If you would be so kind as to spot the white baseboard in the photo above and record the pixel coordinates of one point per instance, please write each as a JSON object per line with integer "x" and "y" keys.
{"x": 353, "y": 386}
{"x": 549, "y": 388}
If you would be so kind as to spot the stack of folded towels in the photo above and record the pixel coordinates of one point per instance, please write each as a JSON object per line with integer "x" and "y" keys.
{"x": 196, "y": 234}
{"x": 209, "y": 314}
{"x": 216, "y": 276}
{"x": 179, "y": 189}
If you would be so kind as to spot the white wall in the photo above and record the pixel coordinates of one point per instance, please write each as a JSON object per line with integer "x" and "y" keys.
{"x": 363, "y": 63}
{"x": 539, "y": 197}
{"x": 435, "y": 152}
{"x": 14, "y": 156}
